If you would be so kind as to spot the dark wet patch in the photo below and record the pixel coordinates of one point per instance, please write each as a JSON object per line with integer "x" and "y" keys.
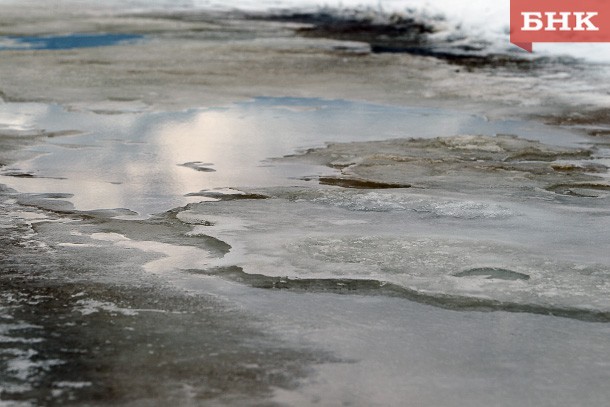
{"x": 109, "y": 213}
{"x": 583, "y": 190}
{"x": 594, "y": 123}
{"x": 143, "y": 345}
{"x": 64, "y": 133}
{"x": 54, "y": 202}
{"x": 376, "y": 287}
{"x": 106, "y": 112}
{"x": 474, "y": 58}
{"x": 51, "y": 195}
{"x": 580, "y": 168}
{"x": 533, "y": 154}
{"x": 198, "y": 166}
{"x": 202, "y": 223}
{"x": 227, "y": 197}
{"x": 17, "y": 174}
{"x": 581, "y": 117}
{"x": 493, "y": 273}
{"x": 69, "y": 41}
{"x": 359, "y": 183}
{"x": 599, "y": 133}
{"x": 398, "y": 33}
{"x": 17, "y": 134}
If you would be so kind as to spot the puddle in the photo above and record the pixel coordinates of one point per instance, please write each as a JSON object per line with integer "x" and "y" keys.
{"x": 150, "y": 162}
{"x": 69, "y": 41}
{"x": 476, "y": 231}
{"x": 445, "y": 191}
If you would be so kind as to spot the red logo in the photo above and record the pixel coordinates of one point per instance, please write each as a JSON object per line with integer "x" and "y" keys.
{"x": 558, "y": 21}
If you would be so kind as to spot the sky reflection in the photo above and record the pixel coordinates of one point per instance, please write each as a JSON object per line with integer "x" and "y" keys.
{"x": 134, "y": 160}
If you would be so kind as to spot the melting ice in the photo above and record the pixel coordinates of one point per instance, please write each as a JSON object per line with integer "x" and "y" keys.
{"x": 458, "y": 199}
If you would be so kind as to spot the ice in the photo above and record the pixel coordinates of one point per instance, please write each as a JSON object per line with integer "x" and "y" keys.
{"x": 431, "y": 360}
{"x": 109, "y": 237}
{"x": 397, "y": 201}
{"x": 423, "y": 257}
{"x": 475, "y": 201}
{"x": 462, "y": 162}
{"x": 175, "y": 257}
{"x": 390, "y": 281}
{"x": 88, "y": 307}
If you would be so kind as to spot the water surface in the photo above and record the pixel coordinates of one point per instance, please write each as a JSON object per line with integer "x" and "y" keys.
{"x": 222, "y": 230}
{"x": 68, "y": 41}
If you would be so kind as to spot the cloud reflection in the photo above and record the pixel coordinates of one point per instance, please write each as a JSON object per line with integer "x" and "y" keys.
{"x": 134, "y": 160}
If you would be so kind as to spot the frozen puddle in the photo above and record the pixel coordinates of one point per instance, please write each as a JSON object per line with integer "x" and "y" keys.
{"x": 443, "y": 210}
{"x": 477, "y": 263}
{"x": 278, "y": 208}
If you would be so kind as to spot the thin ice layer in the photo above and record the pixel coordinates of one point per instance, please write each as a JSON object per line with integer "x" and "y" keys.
{"x": 501, "y": 165}
{"x": 483, "y": 224}
{"x": 433, "y": 259}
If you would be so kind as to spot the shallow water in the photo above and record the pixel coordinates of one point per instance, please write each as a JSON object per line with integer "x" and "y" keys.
{"x": 108, "y": 160}
{"x": 372, "y": 296}
{"x": 455, "y": 203}
{"x": 62, "y": 42}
